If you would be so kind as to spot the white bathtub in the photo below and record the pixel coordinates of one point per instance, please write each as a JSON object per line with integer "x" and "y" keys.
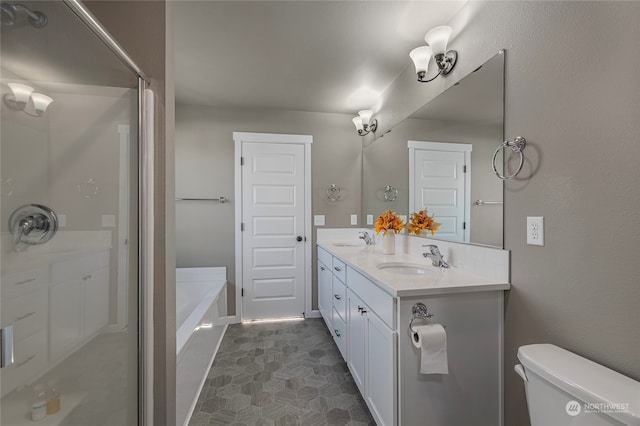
{"x": 200, "y": 302}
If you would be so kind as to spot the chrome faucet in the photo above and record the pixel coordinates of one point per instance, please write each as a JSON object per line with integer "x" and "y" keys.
{"x": 436, "y": 257}
{"x": 367, "y": 238}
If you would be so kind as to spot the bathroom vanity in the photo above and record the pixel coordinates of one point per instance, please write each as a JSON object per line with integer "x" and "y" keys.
{"x": 366, "y": 299}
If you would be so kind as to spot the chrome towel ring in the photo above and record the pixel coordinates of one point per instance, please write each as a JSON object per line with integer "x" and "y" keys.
{"x": 517, "y": 146}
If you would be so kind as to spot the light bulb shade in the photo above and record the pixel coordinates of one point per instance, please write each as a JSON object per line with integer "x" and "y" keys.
{"x": 365, "y": 115}
{"x": 21, "y": 92}
{"x": 438, "y": 38}
{"x": 421, "y": 57}
{"x": 358, "y": 122}
{"x": 40, "y": 102}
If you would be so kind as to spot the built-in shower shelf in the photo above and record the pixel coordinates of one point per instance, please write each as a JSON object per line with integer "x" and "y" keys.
{"x": 15, "y": 412}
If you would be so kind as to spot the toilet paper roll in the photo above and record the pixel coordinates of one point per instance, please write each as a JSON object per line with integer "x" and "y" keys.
{"x": 432, "y": 341}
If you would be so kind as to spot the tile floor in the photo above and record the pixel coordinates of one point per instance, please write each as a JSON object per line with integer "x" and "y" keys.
{"x": 288, "y": 373}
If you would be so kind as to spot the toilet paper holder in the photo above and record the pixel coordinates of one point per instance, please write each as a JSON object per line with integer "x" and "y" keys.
{"x": 419, "y": 311}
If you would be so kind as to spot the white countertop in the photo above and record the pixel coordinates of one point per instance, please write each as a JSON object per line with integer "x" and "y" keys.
{"x": 365, "y": 259}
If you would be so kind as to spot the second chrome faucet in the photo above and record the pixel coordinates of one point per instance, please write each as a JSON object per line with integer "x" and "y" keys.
{"x": 436, "y": 257}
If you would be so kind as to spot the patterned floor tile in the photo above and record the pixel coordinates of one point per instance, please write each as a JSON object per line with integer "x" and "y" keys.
{"x": 280, "y": 374}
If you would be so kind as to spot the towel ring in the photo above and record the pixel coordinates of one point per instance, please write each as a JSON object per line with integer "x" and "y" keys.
{"x": 517, "y": 146}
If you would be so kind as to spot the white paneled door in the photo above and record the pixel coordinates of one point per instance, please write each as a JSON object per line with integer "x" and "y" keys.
{"x": 440, "y": 183}
{"x": 273, "y": 235}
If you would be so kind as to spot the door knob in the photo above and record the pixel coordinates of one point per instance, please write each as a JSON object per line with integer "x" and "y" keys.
{"x": 298, "y": 238}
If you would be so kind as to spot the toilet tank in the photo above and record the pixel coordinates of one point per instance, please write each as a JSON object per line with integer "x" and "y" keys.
{"x": 566, "y": 389}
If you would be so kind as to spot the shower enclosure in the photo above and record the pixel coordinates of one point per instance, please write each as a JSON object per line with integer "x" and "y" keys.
{"x": 70, "y": 252}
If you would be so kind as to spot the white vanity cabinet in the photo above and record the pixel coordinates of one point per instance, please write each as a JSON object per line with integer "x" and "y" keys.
{"x": 380, "y": 353}
{"x": 55, "y": 307}
{"x": 25, "y": 306}
{"x": 79, "y": 301}
{"x": 325, "y": 283}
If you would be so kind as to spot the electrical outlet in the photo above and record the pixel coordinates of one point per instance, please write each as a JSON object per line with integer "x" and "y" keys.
{"x": 354, "y": 219}
{"x": 369, "y": 219}
{"x": 318, "y": 220}
{"x": 535, "y": 230}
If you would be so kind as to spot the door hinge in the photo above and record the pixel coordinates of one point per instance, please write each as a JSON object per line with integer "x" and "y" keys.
{"x": 464, "y": 169}
{"x": 242, "y": 292}
{"x": 242, "y": 161}
{"x": 242, "y": 227}
{"x": 464, "y": 225}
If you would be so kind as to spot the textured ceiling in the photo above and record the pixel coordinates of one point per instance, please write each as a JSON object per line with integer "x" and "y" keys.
{"x": 326, "y": 56}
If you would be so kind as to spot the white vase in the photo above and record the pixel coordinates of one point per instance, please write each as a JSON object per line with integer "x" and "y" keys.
{"x": 389, "y": 243}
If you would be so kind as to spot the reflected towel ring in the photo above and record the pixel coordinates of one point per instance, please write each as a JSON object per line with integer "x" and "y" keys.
{"x": 334, "y": 193}
{"x": 517, "y": 146}
{"x": 390, "y": 193}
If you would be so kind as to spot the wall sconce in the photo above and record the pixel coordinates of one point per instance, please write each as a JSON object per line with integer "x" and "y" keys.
{"x": 364, "y": 123}
{"x": 19, "y": 97}
{"x": 437, "y": 40}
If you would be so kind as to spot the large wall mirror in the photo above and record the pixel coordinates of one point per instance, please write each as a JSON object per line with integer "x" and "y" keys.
{"x": 440, "y": 158}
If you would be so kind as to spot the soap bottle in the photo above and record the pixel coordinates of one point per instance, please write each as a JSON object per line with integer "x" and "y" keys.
{"x": 53, "y": 398}
{"x": 39, "y": 403}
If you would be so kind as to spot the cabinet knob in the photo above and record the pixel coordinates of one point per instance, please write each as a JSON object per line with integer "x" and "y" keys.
{"x": 337, "y": 268}
{"x": 337, "y": 296}
{"x": 363, "y": 311}
{"x": 360, "y": 308}
{"x": 337, "y": 333}
{"x": 322, "y": 268}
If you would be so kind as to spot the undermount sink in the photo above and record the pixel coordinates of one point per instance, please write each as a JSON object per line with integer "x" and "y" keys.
{"x": 345, "y": 244}
{"x": 405, "y": 268}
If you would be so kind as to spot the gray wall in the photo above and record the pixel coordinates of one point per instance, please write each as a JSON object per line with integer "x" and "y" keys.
{"x": 572, "y": 84}
{"x": 205, "y": 168}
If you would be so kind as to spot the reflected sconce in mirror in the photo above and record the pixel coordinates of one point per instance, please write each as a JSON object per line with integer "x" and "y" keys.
{"x": 437, "y": 40}
{"x": 20, "y": 95}
{"x": 364, "y": 123}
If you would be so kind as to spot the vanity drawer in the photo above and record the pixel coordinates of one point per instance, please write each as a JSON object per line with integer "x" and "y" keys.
{"x": 339, "y": 269}
{"x": 83, "y": 265}
{"x": 378, "y": 300}
{"x": 15, "y": 284}
{"x": 339, "y": 298}
{"x": 339, "y": 333}
{"x": 27, "y": 313}
{"x": 324, "y": 257}
{"x": 30, "y": 357}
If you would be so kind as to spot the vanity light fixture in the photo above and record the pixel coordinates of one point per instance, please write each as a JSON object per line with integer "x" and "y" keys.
{"x": 20, "y": 95}
{"x": 437, "y": 40}
{"x": 364, "y": 123}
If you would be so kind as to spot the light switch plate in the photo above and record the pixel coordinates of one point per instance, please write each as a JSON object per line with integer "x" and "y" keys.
{"x": 369, "y": 219}
{"x": 108, "y": 220}
{"x": 318, "y": 220}
{"x": 62, "y": 220}
{"x": 354, "y": 219}
{"x": 535, "y": 230}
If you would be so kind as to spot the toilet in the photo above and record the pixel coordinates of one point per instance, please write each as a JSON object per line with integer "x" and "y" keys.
{"x": 566, "y": 389}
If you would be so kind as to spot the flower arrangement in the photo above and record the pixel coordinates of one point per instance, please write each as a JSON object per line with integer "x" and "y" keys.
{"x": 387, "y": 221}
{"x": 421, "y": 221}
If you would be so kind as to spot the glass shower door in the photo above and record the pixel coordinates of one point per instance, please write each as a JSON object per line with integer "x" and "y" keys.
{"x": 68, "y": 223}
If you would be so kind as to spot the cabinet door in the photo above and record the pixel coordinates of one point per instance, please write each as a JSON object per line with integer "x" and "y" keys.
{"x": 381, "y": 382}
{"x": 96, "y": 301}
{"x": 356, "y": 336}
{"x": 66, "y": 317}
{"x": 324, "y": 293}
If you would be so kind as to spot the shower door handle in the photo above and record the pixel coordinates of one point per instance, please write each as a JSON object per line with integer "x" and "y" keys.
{"x": 6, "y": 346}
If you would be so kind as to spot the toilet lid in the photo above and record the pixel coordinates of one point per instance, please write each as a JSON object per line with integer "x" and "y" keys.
{"x": 588, "y": 381}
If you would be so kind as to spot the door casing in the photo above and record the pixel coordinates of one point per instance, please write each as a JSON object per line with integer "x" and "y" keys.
{"x": 239, "y": 138}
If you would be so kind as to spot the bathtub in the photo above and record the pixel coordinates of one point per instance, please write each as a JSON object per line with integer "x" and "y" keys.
{"x": 200, "y": 303}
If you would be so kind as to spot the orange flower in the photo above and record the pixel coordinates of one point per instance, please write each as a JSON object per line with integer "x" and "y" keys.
{"x": 389, "y": 221}
{"x": 420, "y": 221}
